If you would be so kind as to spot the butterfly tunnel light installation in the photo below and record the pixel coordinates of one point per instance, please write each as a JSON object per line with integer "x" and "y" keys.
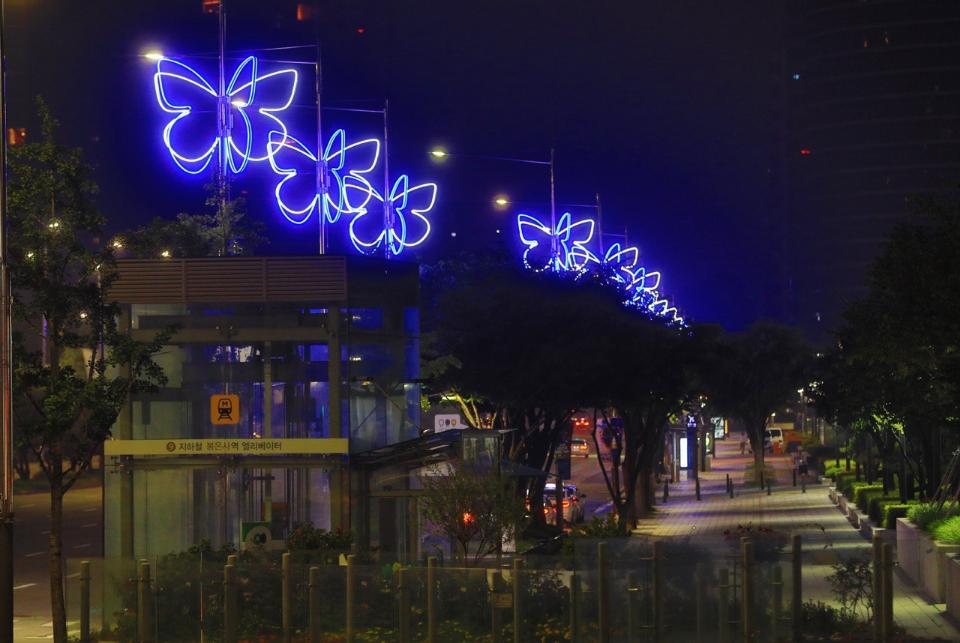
{"x": 243, "y": 123}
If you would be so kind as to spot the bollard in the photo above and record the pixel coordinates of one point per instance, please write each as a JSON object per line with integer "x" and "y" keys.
{"x": 796, "y": 602}
{"x": 699, "y": 601}
{"x": 887, "y": 585}
{"x": 431, "y": 599}
{"x": 777, "y": 611}
{"x": 723, "y": 607}
{"x": 229, "y": 604}
{"x": 144, "y": 603}
{"x": 517, "y": 621}
{"x": 403, "y": 604}
{"x": 698, "y": 487}
{"x": 794, "y": 472}
{"x": 232, "y": 560}
{"x": 574, "y": 605}
{"x": 877, "y": 584}
{"x": 746, "y": 552}
{"x": 658, "y": 584}
{"x": 285, "y": 596}
{"x": 602, "y": 615}
{"x": 85, "y": 601}
{"x": 351, "y": 591}
{"x": 803, "y": 484}
{"x": 666, "y": 492}
{"x": 313, "y": 602}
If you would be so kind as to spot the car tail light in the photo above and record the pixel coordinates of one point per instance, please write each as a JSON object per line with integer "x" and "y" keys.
{"x": 566, "y": 503}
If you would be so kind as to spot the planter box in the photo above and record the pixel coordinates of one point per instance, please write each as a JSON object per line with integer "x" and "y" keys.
{"x": 842, "y": 503}
{"x": 833, "y": 495}
{"x": 934, "y": 561}
{"x": 952, "y": 586}
{"x": 908, "y": 549}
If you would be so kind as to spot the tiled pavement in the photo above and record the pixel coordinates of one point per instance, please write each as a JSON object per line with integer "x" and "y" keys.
{"x": 826, "y": 533}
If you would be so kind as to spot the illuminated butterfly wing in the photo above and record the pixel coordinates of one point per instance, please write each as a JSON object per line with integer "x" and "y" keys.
{"x": 410, "y": 207}
{"x": 348, "y": 189}
{"x": 622, "y": 260}
{"x": 573, "y": 237}
{"x": 190, "y": 136}
{"x": 536, "y": 237}
{"x": 296, "y": 191}
{"x": 257, "y": 101}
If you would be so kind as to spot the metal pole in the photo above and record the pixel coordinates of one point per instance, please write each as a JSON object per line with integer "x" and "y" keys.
{"x": 723, "y": 607}
{"x": 777, "y": 600}
{"x": 403, "y": 605}
{"x": 431, "y": 599}
{"x": 796, "y": 578}
{"x": 321, "y": 179}
{"x": 351, "y": 584}
{"x": 6, "y": 376}
{"x": 144, "y": 604}
{"x": 285, "y": 596}
{"x": 229, "y": 604}
{"x": 659, "y": 604}
{"x": 574, "y": 604}
{"x": 517, "y": 620}
{"x": 85, "y": 601}
{"x": 387, "y": 203}
{"x": 887, "y": 585}
{"x": 602, "y": 612}
{"x": 223, "y": 117}
{"x": 600, "y": 226}
{"x": 554, "y": 246}
{"x": 746, "y": 552}
{"x": 313, "y": 599}
{"x": 877, "y": 564}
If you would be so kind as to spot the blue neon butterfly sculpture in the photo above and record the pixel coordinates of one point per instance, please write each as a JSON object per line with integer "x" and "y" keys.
{"x": 408, "y": 225}
{"x": 572, "y": 238}
{"x": 231, "y": 125}
{"x": 346, "y": 187}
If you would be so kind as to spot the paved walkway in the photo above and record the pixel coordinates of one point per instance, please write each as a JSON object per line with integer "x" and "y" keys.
{"x": 826, "y": 533}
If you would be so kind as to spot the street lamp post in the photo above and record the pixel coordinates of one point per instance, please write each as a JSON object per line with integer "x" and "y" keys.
{"x": 440, "y": 154}
{"x": 6, "y": 377}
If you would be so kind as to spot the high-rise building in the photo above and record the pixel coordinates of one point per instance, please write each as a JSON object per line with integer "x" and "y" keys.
{"x": 873, "y": 104}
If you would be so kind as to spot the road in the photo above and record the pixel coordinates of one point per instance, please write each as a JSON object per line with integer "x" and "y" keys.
{"x": 82, "y": 520}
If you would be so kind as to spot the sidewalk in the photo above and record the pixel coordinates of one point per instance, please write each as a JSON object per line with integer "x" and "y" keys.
{"x": 825, "y": 531}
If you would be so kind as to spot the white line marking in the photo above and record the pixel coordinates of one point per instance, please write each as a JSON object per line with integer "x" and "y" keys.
{"x": 45, "y": 533}
{"x": 24, "y": 586}
{"x": 76, "y": 575}
{"x": 27, "y": 506}
{"x": 81, "y": 546}
{"x": 91, "y": 509}
{"x": 87, "y": 526}
{"x": 34, "y": 554}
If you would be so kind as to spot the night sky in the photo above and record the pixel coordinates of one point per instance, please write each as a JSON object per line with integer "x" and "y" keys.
{"x": 667, "y": 109}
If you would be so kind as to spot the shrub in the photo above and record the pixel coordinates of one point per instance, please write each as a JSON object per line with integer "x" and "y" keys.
{"x": 877, "y": 503}
{"x": 831, "y": 470}
{"x": 924, "y": 515}
{"x": 862, "y": 492}
{"x": 893, "y": 511}
{"x": 845, "y": 481}
{"x": 948, "y": 531}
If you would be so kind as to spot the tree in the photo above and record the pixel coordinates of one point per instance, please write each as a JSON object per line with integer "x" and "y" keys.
{"x": 649, "y": 375}
{"x": 73, "y": 368}
{"x": 897, "y": 349}
{"x": 518, "y": 344}
{"x": 224, "y": 230}
{"x": 752, "y": 374}
{"x": 467, "y": 506}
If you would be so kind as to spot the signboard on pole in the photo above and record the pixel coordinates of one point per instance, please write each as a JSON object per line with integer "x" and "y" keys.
{"x": 563, "y": 460}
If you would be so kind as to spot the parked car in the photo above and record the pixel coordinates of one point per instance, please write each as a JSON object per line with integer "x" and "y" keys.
{"x": 578, "y": 446}
{"x": 780, "y": 441}
{"x": 572, "y": 503}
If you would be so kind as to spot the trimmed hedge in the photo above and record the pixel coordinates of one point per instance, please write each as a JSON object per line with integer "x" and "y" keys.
{"x": 831, "y": 470}
{"x": 844, "y": 482}
{"x": 893, "y": 510}
{"x": 863, "y": 492}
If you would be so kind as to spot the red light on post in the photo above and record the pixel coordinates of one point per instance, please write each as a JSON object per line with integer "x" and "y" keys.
{"x": 361, "y": 30}
{"x": 210, "y": 6}
{"x": 305, "y": 12}
{"x": 806, "y": 151}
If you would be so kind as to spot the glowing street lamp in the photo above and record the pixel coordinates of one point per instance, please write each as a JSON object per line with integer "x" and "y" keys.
{"x": 153, "y": 55}
{"x": 501, "y": 202}
{"x": 440, "y": 154}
